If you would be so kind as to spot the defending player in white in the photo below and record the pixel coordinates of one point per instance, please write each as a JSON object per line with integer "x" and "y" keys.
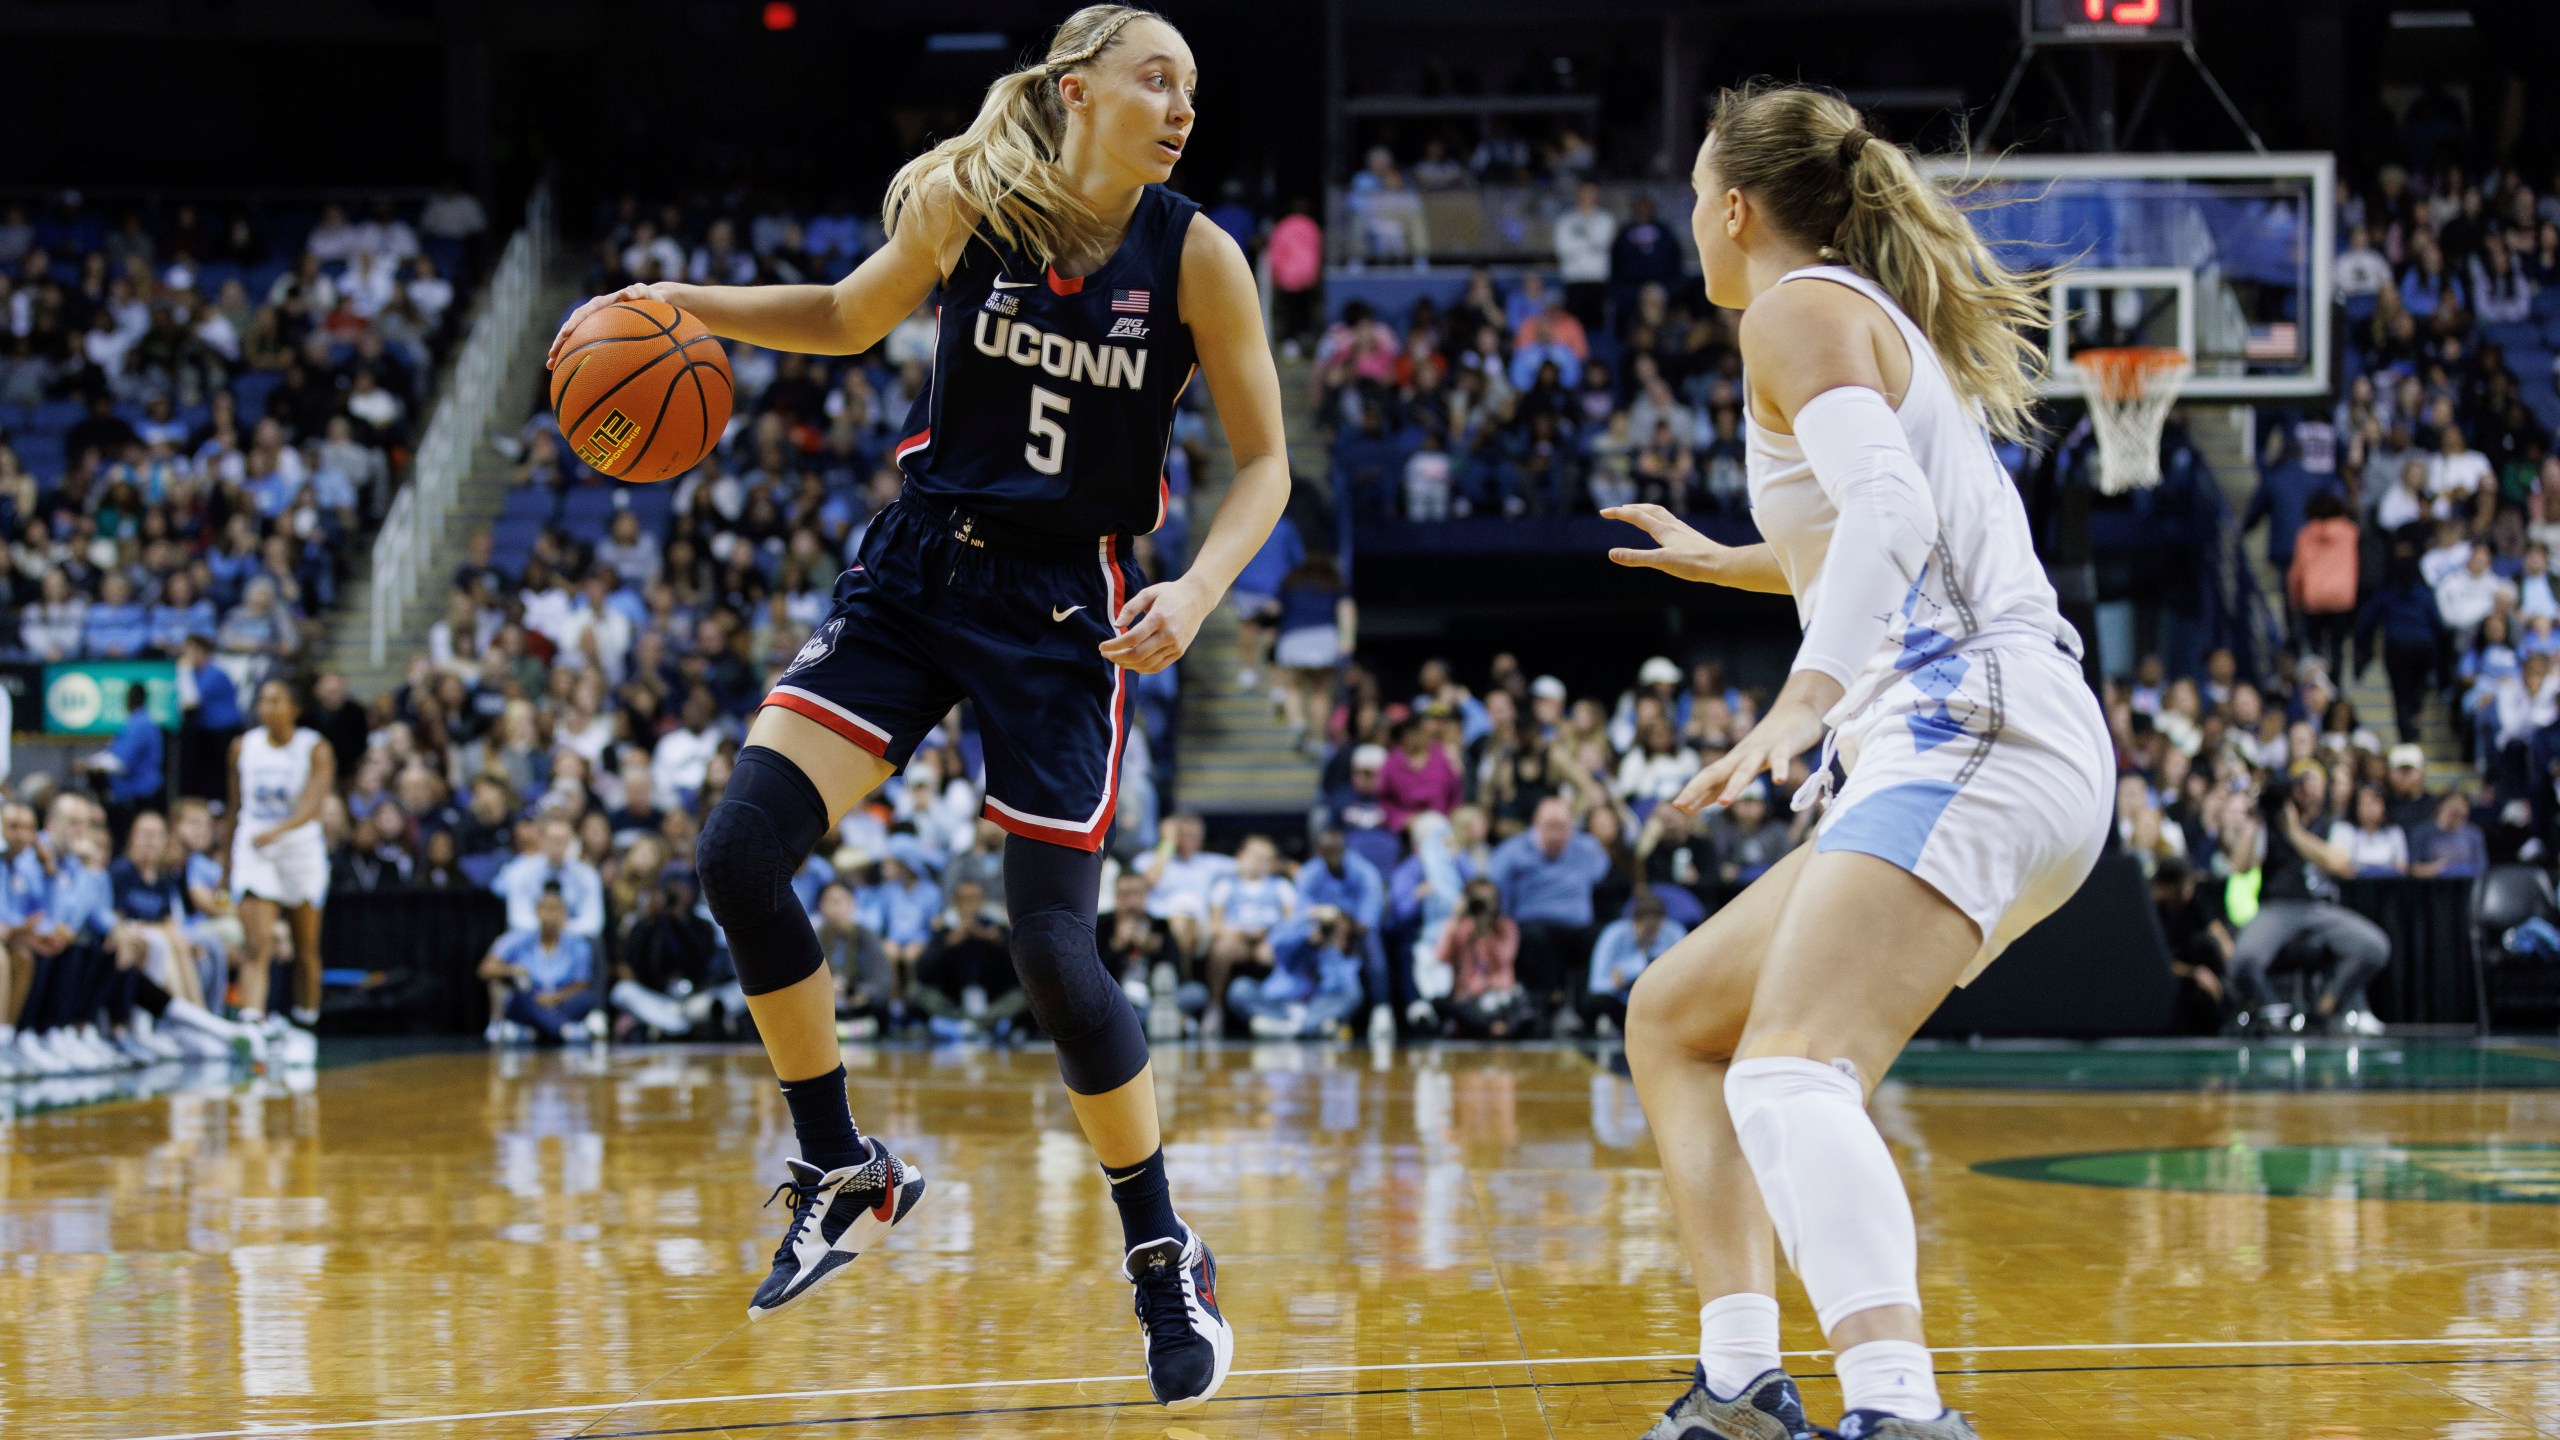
{"x": 281, "y": 775}
{"x": 1966, "y": 765}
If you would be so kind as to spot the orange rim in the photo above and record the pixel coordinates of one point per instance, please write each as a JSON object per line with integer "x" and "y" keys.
{"x": 2124, "y": 372}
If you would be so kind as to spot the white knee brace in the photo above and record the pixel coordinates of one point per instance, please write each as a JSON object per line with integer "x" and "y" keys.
{"x": 1829, "y": 1183}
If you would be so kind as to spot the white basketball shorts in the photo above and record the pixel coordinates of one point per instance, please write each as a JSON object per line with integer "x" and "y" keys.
{"x": 1988, "y": 773}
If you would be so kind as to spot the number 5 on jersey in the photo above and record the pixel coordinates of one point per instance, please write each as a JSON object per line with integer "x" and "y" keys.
{"x": 1047, "y": 451}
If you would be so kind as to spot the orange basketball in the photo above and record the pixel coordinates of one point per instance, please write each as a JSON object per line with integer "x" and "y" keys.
{"x": 643, "y": 390}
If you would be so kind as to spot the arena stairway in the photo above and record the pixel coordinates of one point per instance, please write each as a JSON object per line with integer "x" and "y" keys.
{"x": 477, "y": 501}
{"x": 2227, "y": 437}
{"x": 1233, "y": 753}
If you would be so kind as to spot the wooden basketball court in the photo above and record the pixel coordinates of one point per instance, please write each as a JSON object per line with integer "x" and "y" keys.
{"x": 1465, "y": 1242}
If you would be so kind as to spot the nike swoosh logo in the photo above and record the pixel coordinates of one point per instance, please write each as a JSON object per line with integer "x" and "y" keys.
{"x": 1063, "y": 614}
{"x": 1015, "y": 284}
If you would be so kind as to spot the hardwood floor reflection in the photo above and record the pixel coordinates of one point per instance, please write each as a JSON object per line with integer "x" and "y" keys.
{"x": 1433, "y": 1243}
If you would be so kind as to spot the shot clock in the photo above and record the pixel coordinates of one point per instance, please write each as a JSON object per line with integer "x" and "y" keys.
{"x": 2085, "y": 22}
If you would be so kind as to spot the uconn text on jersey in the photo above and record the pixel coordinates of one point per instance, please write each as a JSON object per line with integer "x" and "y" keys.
{"x": 1116, "y": 367}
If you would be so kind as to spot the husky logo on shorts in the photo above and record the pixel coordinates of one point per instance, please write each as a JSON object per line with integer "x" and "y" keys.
{"x": 820, "y": 642}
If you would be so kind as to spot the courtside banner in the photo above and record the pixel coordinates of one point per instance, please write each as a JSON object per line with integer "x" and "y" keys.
{"x": 86, "y": 697}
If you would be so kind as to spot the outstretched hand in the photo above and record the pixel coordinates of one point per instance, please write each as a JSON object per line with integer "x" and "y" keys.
{"x": 1682, "y": 551}
{"x": 1793, "y": 725}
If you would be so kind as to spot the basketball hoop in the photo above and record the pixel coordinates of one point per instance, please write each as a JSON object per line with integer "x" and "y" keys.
{"x": 2130, "y": 389}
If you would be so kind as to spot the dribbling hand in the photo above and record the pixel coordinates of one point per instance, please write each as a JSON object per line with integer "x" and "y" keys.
{"x": 1684, "y": 552}
{"x": 627, "y": 292}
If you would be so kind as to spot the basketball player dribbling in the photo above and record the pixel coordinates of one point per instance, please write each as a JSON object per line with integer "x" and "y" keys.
{"x": 1076, "y": 295}
{"x": 1968, "y": 771}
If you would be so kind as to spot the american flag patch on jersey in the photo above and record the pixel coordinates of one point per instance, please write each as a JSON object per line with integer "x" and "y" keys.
{"x": 1130, "y": 302}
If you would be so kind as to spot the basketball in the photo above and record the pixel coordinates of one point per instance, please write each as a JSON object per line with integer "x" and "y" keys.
{"x": 643, "y": 391}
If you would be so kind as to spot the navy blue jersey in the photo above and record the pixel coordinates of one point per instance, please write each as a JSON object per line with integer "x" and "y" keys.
{"x": 1050, "y": 405}
{"x": 147, "y": 901}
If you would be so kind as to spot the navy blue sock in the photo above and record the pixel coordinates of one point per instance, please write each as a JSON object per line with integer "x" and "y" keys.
{"x": 1145, "y": 1201}
{"x": 823, "y": 1119}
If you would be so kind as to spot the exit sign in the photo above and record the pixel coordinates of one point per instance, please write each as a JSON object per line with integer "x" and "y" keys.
{"x": 2083, "y": 22}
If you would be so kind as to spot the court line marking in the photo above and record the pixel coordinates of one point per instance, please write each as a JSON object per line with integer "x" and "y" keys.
{"x": 608, "y": 1407}
{"x": 734, "y": 1426}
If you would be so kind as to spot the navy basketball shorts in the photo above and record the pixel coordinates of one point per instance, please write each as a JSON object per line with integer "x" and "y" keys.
{"x": 927, "y": 619}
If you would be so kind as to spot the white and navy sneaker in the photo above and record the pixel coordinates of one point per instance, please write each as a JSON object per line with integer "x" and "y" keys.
{"x": 1879, "y": 1425}
{"x": 1189, "y": 1344}
{"x": 835, "y": 1216}
{"x": 1767, "y": 1409}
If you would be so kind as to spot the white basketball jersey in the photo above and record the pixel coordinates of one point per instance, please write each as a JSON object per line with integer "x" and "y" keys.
{"x": 1983, "y": 578}
{"x": 272, "y": 778}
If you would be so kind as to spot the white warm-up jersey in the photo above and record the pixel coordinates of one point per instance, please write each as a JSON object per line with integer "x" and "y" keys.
{"x": 1983, "y": 579}
{"x": 272, "y": 778}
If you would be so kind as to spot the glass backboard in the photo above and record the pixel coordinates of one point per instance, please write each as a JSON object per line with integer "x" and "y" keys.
{"x": 2227, "y": 256}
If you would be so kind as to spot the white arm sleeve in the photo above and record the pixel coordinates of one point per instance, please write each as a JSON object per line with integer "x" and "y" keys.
{"x": 1888, "y": 524}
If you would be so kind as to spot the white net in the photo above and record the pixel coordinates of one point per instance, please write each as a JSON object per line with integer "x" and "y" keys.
{"x": 2130, "y": 390}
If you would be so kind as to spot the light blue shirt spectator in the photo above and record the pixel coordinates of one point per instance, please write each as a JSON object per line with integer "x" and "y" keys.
{"x": 26, "y": 892}
{"x": 572, "y": 961}
{"x": 1622, "y": 952}
{"x": 116, "y": 631}
{"x": 519, "y": 882}
{"x": 1306, "y": 972}
{"x": 814, "y": 876}
{"x": 901, "y": 912}
{"x": 172, "y": 624}
{"x": 1546, "y": 872}
{"x": 1252, "y": 906}
{"x": 331, "y": 487}
{"x": 231, "y": 573}
{"x": 1429, "y": 883}
{"x": 1356, "y": 888}
{"x": 80, "y": 899}
{"x": 1526, "y": 360}
{"x": 272, "y": 493}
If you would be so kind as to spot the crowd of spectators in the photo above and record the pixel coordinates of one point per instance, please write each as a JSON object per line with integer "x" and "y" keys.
{"x": 200, "y": 411}
{"x": 2413, "y": 523}
{"x": 1493, "y": 859}
{"x": 1611, "y": 382}
{"x": 1500, "y": 866}
{"x": 2249, "y": 801}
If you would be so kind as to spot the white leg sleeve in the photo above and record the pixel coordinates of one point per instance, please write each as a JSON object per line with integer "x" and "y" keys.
{"x": 1829, "y": 1183}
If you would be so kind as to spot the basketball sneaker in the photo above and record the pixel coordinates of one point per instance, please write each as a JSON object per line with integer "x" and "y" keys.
{"x": 835, "y": 1216}
{"x": 1767, "y": 1409}
{"x": 1881, "y": 1425}
{"x": 1189, "y": 1344}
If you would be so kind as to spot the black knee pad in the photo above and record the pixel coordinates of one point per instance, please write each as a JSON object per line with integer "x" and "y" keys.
{"x": 1101, "y": 1045}
{"x": 755, "y": 840}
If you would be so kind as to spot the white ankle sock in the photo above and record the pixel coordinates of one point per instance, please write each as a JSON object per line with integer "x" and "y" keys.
{"x": 1737, "y": 1341}
{"x": 1830, "y": 1185}
{"x": 1889, "y": 1375}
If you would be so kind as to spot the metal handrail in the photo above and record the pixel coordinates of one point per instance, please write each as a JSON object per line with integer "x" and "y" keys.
{"x": 416, "y": 518}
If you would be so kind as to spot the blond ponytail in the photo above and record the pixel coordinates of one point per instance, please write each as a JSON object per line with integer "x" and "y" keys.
{"x": 1808, "y": 160}
{"x": 1004, "y": 168}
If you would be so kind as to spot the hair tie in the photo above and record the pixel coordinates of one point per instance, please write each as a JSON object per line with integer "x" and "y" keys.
{"x": 1852, "y": 145}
